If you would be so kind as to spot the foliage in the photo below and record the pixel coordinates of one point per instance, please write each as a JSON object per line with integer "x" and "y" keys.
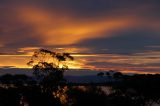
{"x": 48, "y": 68}
{"x": 135, "y": 90}
{"x": 45, "y": 62}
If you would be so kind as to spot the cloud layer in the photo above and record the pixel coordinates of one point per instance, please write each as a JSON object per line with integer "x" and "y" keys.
{"x": 121, "y": 28}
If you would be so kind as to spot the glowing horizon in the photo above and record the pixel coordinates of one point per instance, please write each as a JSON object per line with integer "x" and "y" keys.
{"x": 133, "y": 64}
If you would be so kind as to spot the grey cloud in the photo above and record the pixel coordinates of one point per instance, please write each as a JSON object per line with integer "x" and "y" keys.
{"x": 128, "y": 42}
{"x": 92, "y": 8}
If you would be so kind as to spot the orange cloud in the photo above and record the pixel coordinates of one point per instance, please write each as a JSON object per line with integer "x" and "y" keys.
{"x": 1, "y": 45}
{"x": 142, "y": 63}
{"x": 18, "y": 61}
{"x": 58, "y": 28}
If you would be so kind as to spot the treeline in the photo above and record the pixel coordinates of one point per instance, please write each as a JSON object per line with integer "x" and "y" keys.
{"x": 49, "y": 88}
{"x": 135, "y": 90}
{"x": 140, "y": 87}
{"x": 17, "y": 79}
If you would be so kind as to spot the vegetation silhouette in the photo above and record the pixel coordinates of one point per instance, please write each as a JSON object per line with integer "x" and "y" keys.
{"x": 117, "y": 75}
{"x": 48, "y": 68}
{"x": 100, "y": 74}
{"x": 49, "y": 88}
{"x": 131, "y": 90}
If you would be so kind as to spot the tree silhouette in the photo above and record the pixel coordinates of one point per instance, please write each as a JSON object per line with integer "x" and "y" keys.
{"x": 101, "y": 74}
{"x": 49, "y": 66}
{"x": 117, "y": 75}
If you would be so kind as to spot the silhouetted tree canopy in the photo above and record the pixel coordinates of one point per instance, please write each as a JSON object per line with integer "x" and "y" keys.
{"x": 117, "y": 75}
{"x": 49, "y": 66}
{"x": 101, "y": 74}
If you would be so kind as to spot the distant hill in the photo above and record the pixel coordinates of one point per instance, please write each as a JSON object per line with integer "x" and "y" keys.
{"x": 72, "y": 72}
{"x": 72, "y": 76}
{"x": 88, "y": 79}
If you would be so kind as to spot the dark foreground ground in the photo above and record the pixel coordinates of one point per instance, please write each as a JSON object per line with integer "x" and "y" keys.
{"x": 136, "y": 90}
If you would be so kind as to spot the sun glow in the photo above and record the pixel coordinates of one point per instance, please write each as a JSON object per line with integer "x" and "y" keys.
{"x": 124, "y": 63}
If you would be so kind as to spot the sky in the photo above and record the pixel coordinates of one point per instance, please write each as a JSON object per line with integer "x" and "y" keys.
{"x": 122, "y": 35}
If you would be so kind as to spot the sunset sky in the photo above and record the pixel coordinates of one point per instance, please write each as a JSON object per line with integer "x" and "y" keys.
{"x": 121, "y": 35}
